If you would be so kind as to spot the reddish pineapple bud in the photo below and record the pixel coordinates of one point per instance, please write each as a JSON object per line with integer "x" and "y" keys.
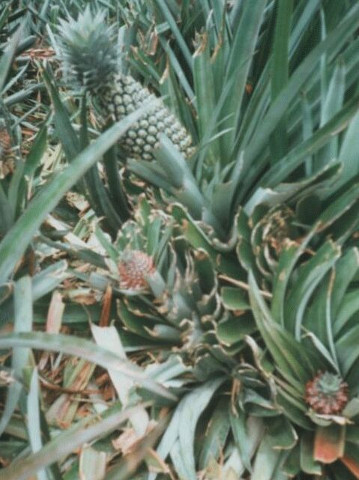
{"x": 133, "y": 268}
{"x": 326, "y": 394}
{"x": 6, "y": 159}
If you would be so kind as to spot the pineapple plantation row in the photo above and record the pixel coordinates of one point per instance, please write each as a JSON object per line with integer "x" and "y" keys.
{"x": 179, "y": 264}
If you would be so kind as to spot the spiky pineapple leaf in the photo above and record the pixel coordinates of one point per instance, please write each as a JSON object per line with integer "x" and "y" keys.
{"x": 333, "y": 42}
{"x": 287, "y": 261}
{"x": 216, "y": 435}
{"x": 309, "y": 277}
{"x": 280, "y": 71}
{"x": 272, "y": 459}
{"x": 307, "y": 462}
{"x": 347, "y": 350}
{"x": 348, "y": 152}
{"x": 291, "y": 357}
{"x": 22, "y": 323}
{"x": 178, "y": 440}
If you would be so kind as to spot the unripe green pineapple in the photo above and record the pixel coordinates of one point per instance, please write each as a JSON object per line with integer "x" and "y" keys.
{"x": 90, "y": 58}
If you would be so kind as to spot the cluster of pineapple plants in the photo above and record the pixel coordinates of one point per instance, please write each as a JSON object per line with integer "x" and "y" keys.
{"x": 179, "y": 258}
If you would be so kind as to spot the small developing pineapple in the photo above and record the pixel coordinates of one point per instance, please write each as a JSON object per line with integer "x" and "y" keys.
{"x": 134, "y": 268}
{"x": 326, "y": 393}
{"x": 90, "y": 58}
{"x": 6, "y": 158}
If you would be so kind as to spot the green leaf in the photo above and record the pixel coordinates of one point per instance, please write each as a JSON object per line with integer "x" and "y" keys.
{"x": 332, "y": 43}
{"x": 287, "y": 261}
{"x": 115, "y": 184}
{"x": 308, "y": 129}
{"x": 37, "y": 151}
{"x": 286, "y": 165}
{"x": 241, "y": 435}
{"x": 345, "y": 269}
{"x": 234, "y": 298}
{"x": 309, "y": 277}
{"x": 290, "y": 356}
{"x": 308, "y": 209}
{"x": 269, "y": 458}
{"x": 205, "y": 99}
{"x": 161, "y": 4}
{"x": 6, "y": 212}
{"x": 232, "y": 330}
{"x": 135, "y": 321}
{"x": 349, "y": 151}
{"x": 240, "y": 60}
{"x": 63, "y": 125}
{"x": 100, "y": 200}
{"x": 216, "y": 434}
{"x": 347, "y": 349}
{"x": 348, "y": 307}
{"x": 294, "y": 409}
{"x": 8, "y": 56}
{"x": 42, "y": 283}
{"x": 338, "y": 207}
{"x": 281, "y": 433}
{"x": 192, "y": 407}
{"x": 334, "y": 98}
{"x": 279, "y": 71}
{"x": 332, "y": 105}
{"x": 22, "y": 323}
{"x": 307, "y": 462}
{"x": 169, "y": 438}
{"x": 33, "y": 419}
{"x": 290, "y": 192}
{"x": 292, "y": 464}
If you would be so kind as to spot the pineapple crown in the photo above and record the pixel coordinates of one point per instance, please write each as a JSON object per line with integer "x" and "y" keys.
{"x": 329, "y": 383}
{"x": 88, "y": 50}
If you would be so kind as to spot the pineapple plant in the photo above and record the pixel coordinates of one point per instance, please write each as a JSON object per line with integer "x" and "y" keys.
{"x": 314, "y": 361}
{"x": 90, "y": 57}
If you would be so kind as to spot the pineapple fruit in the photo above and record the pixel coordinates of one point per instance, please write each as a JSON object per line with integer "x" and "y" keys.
{"x": 134, "y": 267}
{"x": 90, "y": 58}
{"x": 6, "y": 157}
{"x": 326, "y": 393}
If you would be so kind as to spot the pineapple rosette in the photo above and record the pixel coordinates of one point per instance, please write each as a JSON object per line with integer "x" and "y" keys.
{"x": 169, "y": 293}
{"x": 302, "y": 285}
{"x": 310, "y": 331}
